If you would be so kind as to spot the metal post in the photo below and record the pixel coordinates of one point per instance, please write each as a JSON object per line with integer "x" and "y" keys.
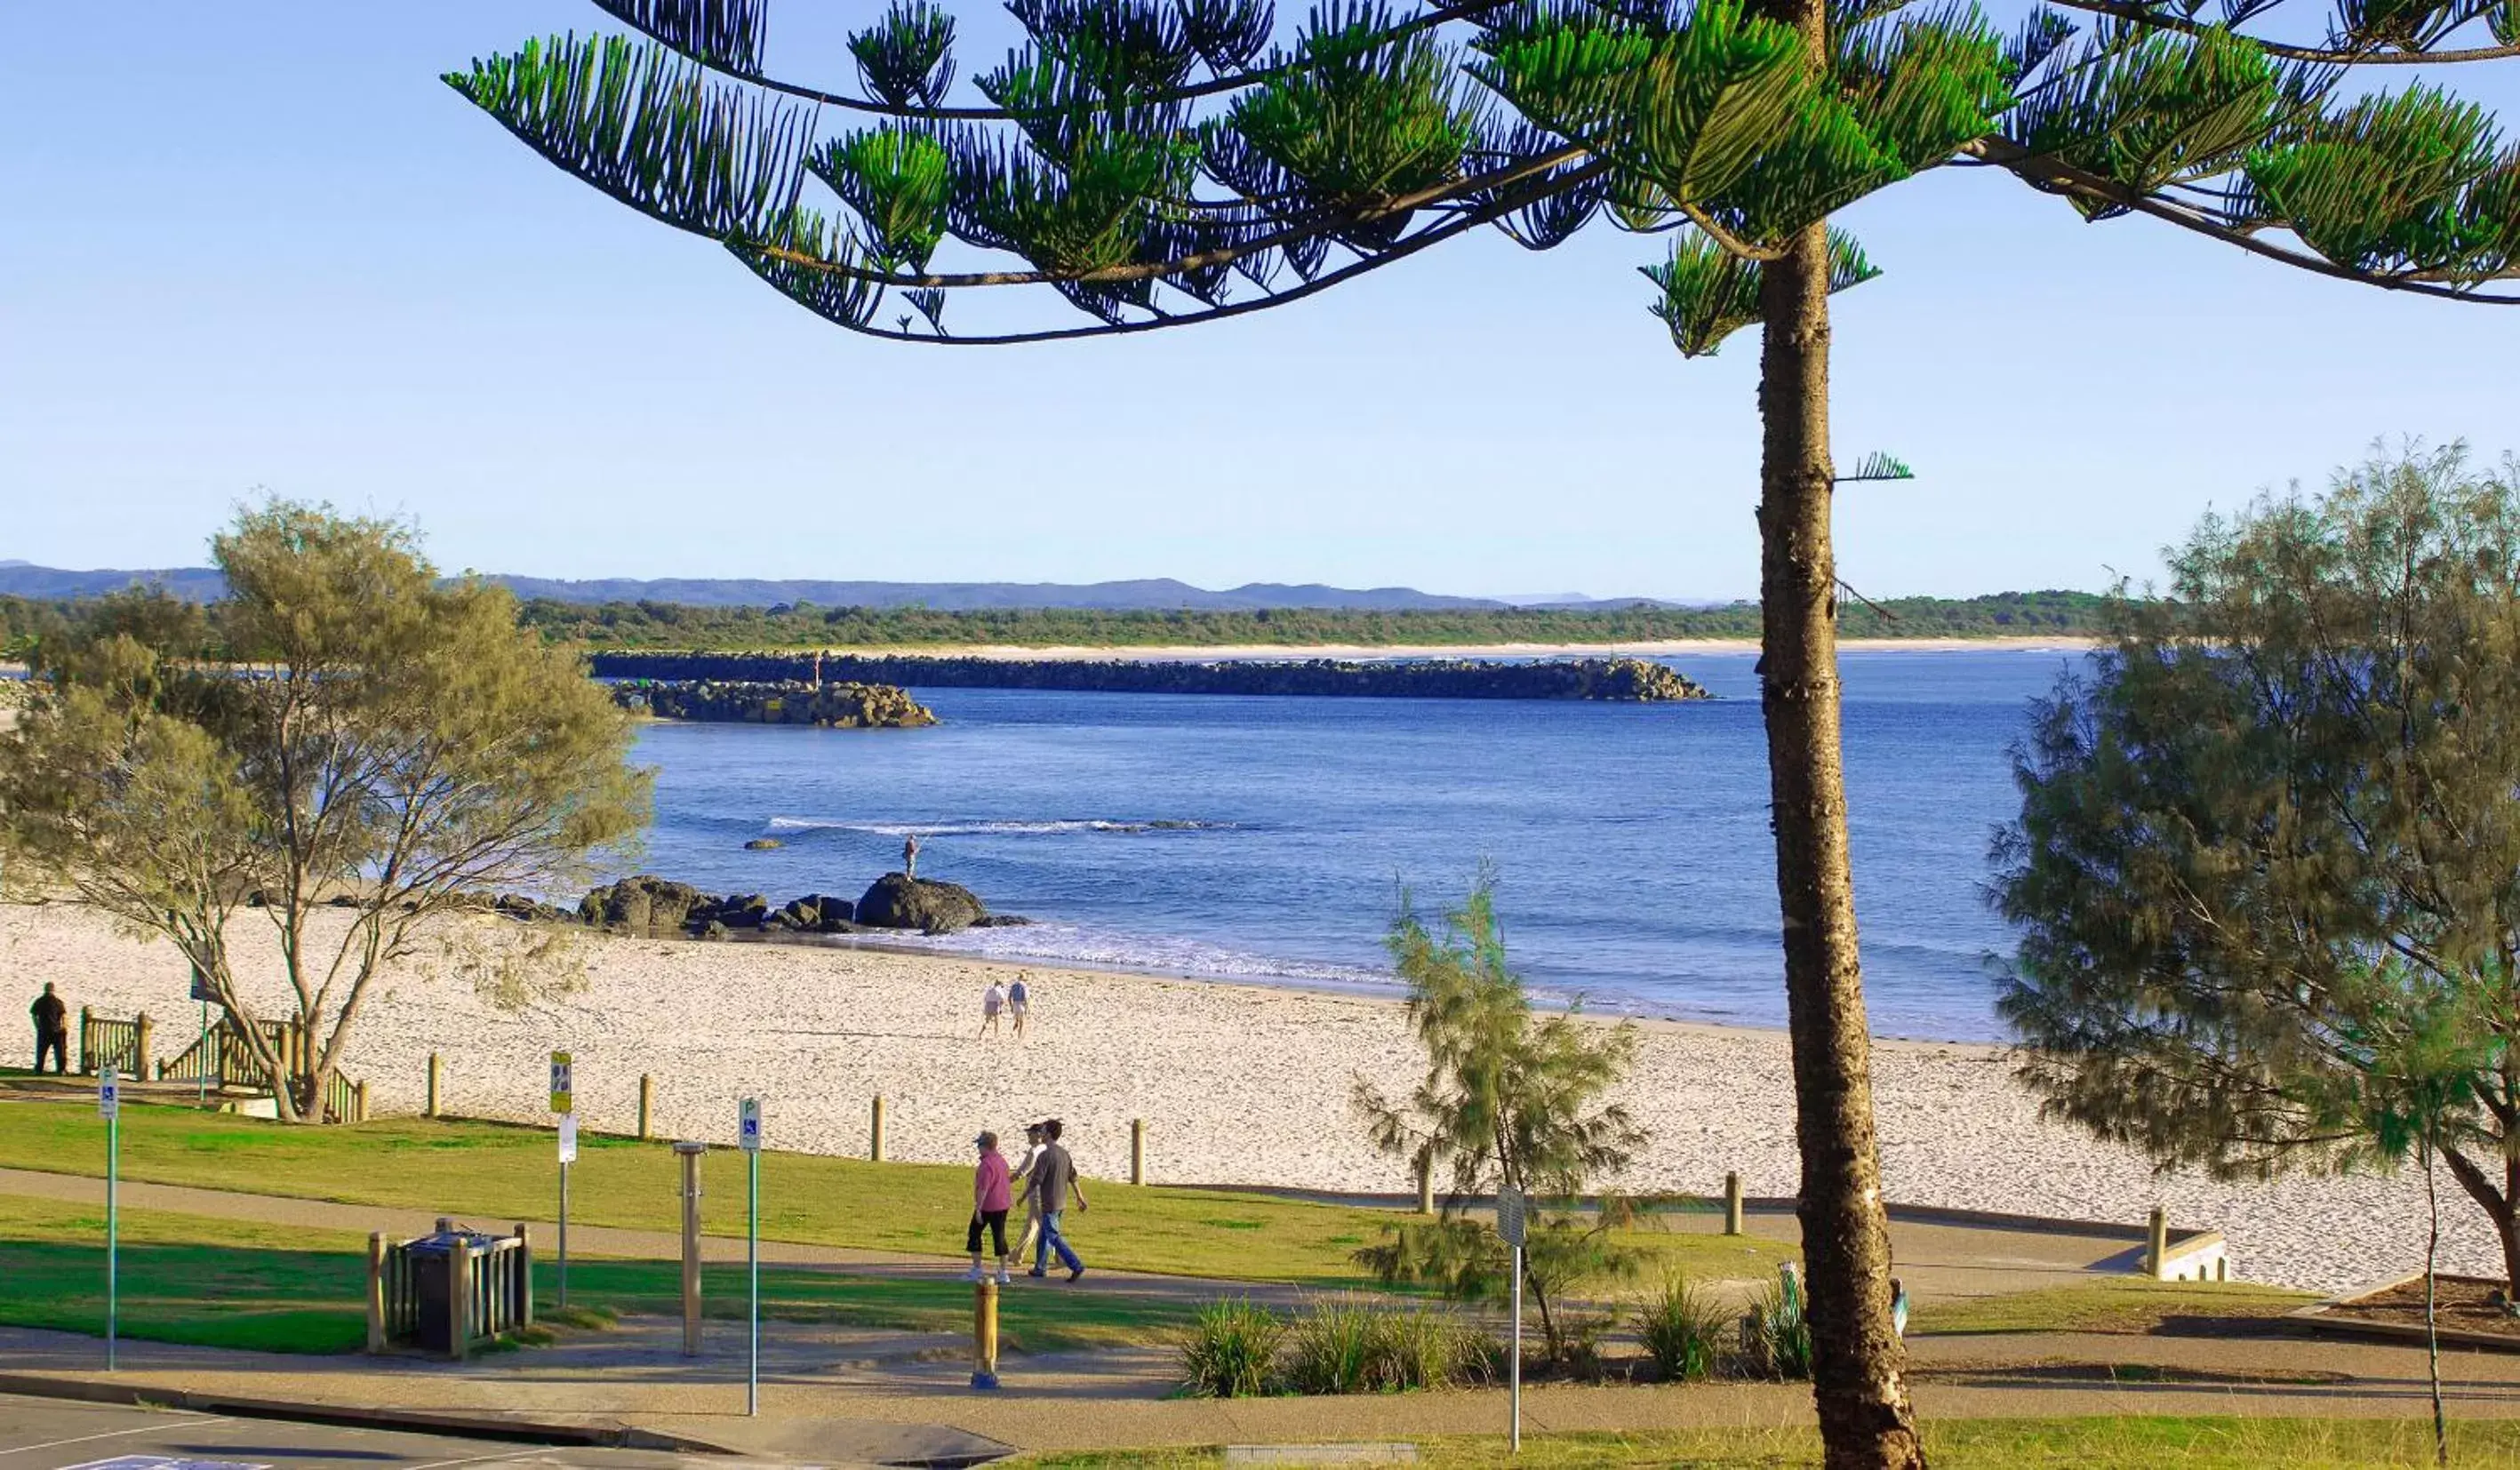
{"x": 753, "y": 1269}
{"x": 112, "y": 1231}
{"x": 524, "y": 1277}
{"x": 875, "y": 1130}
{"x": 202, "y": 1060}
{"x": 1733, "y": 1204}
{"x": 691, "y": 1155}
{"x": 1513, "y": 1362}
{"x": 1137, "y": 1150}
{"x": 563, "y": 1237}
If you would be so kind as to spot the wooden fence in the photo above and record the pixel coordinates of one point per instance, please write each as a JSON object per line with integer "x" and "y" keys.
{"x": 221, "y": 1057}
{"x": 450, "y": 1294}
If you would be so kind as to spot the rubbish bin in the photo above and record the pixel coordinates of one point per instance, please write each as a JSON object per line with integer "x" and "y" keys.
{"x": 433, "y": 1285}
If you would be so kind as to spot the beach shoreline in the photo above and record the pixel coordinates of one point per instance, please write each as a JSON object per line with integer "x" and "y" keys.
{"x": 1242, "y": 652}
{"x": 1237, "y": 1082}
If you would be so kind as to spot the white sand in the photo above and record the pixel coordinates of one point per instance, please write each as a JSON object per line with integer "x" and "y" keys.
{"x": 1238, "y": 1084}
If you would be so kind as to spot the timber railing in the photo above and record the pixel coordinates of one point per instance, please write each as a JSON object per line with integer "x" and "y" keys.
{"x": 220, "y": 1057}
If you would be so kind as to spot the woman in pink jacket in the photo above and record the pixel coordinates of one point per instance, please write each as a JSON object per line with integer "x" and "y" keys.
{"x": 992, "y": 1195}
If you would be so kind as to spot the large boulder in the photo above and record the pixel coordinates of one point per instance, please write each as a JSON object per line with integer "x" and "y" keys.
{"x": 644, "y": 902}
{"x": 898, "y": 901}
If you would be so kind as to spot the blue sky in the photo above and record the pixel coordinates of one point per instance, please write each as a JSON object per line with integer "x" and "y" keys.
{"x": 259, "y": 247}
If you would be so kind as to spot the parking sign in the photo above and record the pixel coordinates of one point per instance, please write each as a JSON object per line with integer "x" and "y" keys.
{"x": 561, "y": 1099}
{"x": 108, "y": 1094}
{"x": 1512, "y": 1209}
{"x": 748, "y": 1128}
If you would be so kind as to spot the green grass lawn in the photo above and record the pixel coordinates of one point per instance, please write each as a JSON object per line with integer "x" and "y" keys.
{"x": 2114, "y": 1303}
{"x": 189, "y": 1278}
{"x": 2121, "y": 1443}
{"x": 497, "y": 1171}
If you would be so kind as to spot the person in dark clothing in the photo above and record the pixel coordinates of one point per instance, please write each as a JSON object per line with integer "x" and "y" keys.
{"x": 52, "y": 1029}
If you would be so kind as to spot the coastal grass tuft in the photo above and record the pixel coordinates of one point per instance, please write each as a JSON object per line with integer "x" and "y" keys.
{"x": 2133, "y": 1442}
{"x": 505, "y": 1172}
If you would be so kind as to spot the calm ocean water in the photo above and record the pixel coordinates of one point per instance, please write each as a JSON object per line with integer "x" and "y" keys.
{"x": 1269, "y": 838}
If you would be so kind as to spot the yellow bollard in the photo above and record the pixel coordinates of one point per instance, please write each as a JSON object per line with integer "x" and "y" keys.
{"x": 984, "y": 1334}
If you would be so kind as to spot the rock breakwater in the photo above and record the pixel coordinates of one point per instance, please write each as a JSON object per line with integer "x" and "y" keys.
{"x": 842, "y": 705}
{"x": 645, "y": 903}
{"x": 1619, "y": 680}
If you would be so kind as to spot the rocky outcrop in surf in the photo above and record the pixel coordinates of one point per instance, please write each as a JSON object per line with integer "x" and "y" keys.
{"x": 1631, "y": 681}
{"x": 645, "y": 903}
{"x": 844, "y": 706}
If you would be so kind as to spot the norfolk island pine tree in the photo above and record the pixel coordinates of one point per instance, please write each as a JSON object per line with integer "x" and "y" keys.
{"x": 1161, "y": 163}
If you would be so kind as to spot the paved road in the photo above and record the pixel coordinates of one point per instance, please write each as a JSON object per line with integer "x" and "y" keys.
{"x": 54, "y": 1434}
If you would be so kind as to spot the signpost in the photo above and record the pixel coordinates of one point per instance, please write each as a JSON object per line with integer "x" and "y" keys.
{"x": 748, "y": 1133}
{"x": 565, "y": 1102}
{"x": 108, "y": 1106}
{"x": 205, "y": 992}
{"x": 1511, "y": 1208}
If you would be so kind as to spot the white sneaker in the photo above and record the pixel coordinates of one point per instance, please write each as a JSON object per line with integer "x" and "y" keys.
{"x": 1004, "y": 1279}
{"x": 974, "y": 1274}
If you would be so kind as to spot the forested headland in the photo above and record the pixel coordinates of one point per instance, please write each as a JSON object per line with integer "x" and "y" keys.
{"x": 803, "y": 625}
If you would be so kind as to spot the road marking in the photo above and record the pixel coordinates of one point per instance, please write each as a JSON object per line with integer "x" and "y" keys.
{"x": 115, "y": 1434}
{"x": 481, "y": 1459}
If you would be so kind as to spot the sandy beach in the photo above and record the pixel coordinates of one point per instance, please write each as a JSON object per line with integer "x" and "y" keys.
{"x": 1238, "y": 1083}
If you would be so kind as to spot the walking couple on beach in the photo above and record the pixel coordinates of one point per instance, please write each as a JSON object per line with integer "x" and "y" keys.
{"x": 1049, "y": 1180}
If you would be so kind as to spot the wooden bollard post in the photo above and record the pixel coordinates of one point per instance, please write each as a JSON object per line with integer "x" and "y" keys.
{"x": 87, "y": 1042}
{"x": 2156, "y": 1245}
{"x": 140, "y": 1049}
{"x": 1733, "y": 1204}
{"x": 522, "y": 1310}
{"x": 359, "y": 1102}
{"x": 436, "y": 1080}
{"x": 1427, "y": 1186}
{"x": 647, "y": 1104}
{"x": 377, "y": 1291}
{"x": 691, "y": 1155}
{"x": 984, "y": 1334}
{"x": 459, "y": 1297}
{"x": 875, "y": 1130}
{"x": 1137, "y": 1150}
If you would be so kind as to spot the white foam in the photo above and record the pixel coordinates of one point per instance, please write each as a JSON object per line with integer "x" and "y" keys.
{"x": 1014, "y": 827}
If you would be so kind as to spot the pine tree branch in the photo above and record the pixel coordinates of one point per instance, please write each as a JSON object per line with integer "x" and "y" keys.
{"x": 2052, "y": 175}
{"x": 1217, "y": 86}
{"x": 2153, "y": 17}
{"x": 1461, "y": 224}
{"x": 1157, "y": 270}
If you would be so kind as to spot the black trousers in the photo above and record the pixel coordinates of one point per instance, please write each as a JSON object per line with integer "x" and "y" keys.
{"x": 59, "y": 1043}
{"x": 996, "y": 1220}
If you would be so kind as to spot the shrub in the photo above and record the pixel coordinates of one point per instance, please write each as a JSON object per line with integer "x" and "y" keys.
{"x": 1333, "y": 1347}
{"x": 1352, "y": 1345}
{"x": 1778, "y": 1335}
{"x": 1683, "y": 1331}
{"x": 1231, "y": 1349}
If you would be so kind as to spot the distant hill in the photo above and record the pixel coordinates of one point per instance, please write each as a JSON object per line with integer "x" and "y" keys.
{"x": 1157, "y": 594}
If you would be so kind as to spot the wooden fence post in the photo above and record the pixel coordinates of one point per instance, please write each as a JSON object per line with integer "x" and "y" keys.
{"x": 377, "y": 1291}
{"x": 1733, "y": 1204}
{"x": 1427, "y": 1186}
{"x": 2156, "y": 1244}
{"x": 524, "y": 1309}
{"x": 87, "y": 1042}
{"x": 359, "y": 1102}
{"x": 646, "y": 1103}
{"x": 874, "y": 1132}
{"x": 436, "y": 1075}
{"x": 1137, "y": 1150}
{"x": 140, "y": 1048}
{"x": 459, "y": 1297}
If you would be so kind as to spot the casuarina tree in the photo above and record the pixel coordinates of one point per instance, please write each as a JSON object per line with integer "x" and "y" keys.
{"x": 347, "y": 749}
{"x": 1163, "y": 163}
{"x": 2266, "y": 869}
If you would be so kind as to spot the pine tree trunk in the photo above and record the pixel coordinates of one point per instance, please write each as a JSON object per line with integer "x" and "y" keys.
{"x": 1858, "y": 1366}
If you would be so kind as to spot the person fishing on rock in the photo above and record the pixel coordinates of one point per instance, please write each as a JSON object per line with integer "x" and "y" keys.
{"x": 910, "y": 857}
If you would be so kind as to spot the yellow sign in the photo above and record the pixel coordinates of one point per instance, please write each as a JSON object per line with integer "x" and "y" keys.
{"x": 560, "y": 1084}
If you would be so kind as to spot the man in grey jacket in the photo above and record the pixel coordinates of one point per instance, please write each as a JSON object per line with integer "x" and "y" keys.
{"x": 1052, "y": 1178}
